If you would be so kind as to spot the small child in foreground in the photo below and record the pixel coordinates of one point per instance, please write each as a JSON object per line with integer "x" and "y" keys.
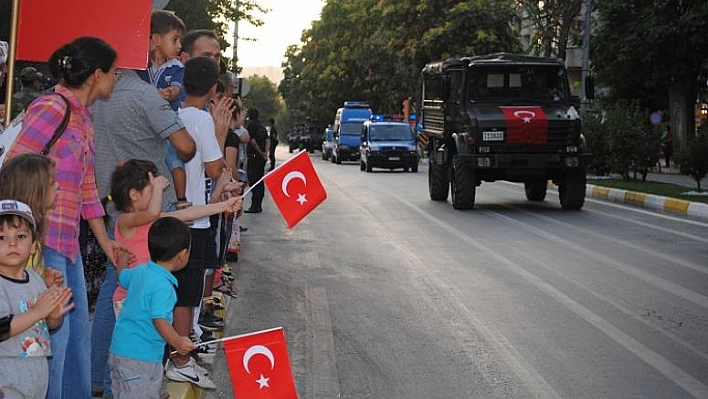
{"x": 30, "y": 309}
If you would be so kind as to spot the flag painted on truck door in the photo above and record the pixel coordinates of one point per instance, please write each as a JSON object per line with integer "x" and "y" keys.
{"x": 525, "y": 125}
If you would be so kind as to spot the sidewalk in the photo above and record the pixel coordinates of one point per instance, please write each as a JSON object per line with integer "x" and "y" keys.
{"x": 694, "y": 210}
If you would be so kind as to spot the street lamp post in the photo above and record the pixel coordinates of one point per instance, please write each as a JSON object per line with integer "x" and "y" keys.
{"x": 585, "y": 102}
{"x": 235, "y": 46}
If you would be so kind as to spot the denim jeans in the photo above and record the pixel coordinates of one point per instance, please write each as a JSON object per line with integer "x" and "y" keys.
{"x": 69, "y": 365}
{"x": 103, "y": 322}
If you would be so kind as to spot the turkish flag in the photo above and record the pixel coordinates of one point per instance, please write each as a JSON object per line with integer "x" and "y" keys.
{"x": 259, "y": 365}
{"x": 46, "y": 25}
{"x": 527, "y": 125}
{"x": 295, "y": 188}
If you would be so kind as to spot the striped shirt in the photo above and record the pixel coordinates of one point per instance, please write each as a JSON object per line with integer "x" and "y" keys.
{"x": 73, "y": 155}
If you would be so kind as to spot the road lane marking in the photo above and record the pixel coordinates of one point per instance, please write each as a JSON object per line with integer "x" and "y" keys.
{"x": 320, "y": 345}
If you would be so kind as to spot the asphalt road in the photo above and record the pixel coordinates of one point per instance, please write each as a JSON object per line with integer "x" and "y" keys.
{"x": 385, "y": 294}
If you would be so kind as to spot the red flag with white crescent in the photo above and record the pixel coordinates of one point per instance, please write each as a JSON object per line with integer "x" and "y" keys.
{"x": 525, "y": 125}
{"x": 259, "y": 365}
{"x": 295, "y": 188}
{"x": 46, "y": 25}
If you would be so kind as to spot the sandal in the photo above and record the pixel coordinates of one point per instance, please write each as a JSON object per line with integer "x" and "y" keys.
{"x": 225, "y": 289}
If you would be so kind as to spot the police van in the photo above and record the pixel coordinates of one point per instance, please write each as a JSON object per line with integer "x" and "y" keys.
{"x": 347, "y": 130}
{"x": 388, "y": 143}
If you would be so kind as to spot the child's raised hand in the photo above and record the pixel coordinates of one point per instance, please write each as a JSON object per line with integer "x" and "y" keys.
{"x": 159, "y": 183}
{"x": 184, "y": 345}
{"x": 53, "y": 278}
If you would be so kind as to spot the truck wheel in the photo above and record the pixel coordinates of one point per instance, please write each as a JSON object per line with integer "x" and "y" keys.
{"x": 463, "y": 186}
{"x": 438, "y": 182}
{"x": 536, "y": 189}
{"x": 369, "y": 167}
{"x": 362, "y": 167}
{"x": 572, "y": 191}
{"x": 290, "y": 149}
{"x": 338, "y": 161}
{"x": 414, "y": 168}
{"x": 324, "y": 156}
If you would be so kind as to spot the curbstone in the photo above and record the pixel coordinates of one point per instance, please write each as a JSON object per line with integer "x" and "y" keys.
{"x": 696, "y": 210}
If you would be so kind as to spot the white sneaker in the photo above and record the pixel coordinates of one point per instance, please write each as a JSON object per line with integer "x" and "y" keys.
{"x": 188, "y": 373}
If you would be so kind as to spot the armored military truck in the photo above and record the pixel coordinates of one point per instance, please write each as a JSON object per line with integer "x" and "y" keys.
{"x": 502, "y": 117}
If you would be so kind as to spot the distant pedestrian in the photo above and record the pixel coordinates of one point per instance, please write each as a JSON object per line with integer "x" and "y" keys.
{"x": 273, "y": 134}
{"x": 258, "y": 150}
{"x": 145, "y": 323}
{"x": 667, "y": 145}
{"x": 31, "y": 90}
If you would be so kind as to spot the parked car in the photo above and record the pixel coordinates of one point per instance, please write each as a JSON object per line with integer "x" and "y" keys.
{"x": 327, "y": 142}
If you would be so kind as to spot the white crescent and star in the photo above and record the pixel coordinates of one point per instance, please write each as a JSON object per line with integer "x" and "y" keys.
{"x": 301, "y": 198}
{"x": 527, "y": 116}
{"x": 259, "y": 350}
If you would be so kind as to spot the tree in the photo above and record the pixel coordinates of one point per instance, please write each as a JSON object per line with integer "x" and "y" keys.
{"x": 264, "y": 96}
{"x": 693, "y": 160}
{"x": 552, "y": 22}
{"x": 651, "y": 50}
{"x": 374, "y": 50}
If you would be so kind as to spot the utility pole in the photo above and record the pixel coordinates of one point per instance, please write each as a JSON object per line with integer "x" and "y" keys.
{"x": 585, "y": 73}
{"x": 235, "y": 46}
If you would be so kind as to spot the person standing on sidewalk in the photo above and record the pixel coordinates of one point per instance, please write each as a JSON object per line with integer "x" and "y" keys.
{"x": 258, "y": 149}
{"x": 273, "y": 134}
{"x": 133, "y": 124}
{"x": 667, "y": 145}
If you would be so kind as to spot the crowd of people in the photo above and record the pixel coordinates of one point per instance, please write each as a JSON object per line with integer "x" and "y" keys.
{"x": 155, "y": 163}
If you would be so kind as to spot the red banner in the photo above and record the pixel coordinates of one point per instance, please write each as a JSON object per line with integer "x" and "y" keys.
{"x": 295, "y": 188}
{"x": 526, "y": 125}
{"x": 259, "y": 365}
{"x": 46, "y": 25}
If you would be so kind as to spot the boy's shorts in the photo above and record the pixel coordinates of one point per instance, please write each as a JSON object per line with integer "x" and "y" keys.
{"x": 171, "y": 158}
{"x": 201, "y": 256}
{"x": 134, "y": 378}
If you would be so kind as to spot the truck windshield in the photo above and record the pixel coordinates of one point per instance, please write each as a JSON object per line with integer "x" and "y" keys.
{"x": 390, "y": 133}
{"x": 539, "y": 83}
{"x": 350, "y": 128}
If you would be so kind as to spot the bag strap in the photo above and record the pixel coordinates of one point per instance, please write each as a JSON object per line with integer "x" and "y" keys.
{"x": 60, "y": 128}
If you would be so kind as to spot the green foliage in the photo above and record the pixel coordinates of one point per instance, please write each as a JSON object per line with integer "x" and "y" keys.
{"x": 632, "y": 143}
{"x": 264, "y": 96}
{"x": 641, "y": 47}
{"x": 598, "y": 143}
{"x": 552, "y": 21}
{"x": 374, "y": 50}
{"x": 693, "y": 160}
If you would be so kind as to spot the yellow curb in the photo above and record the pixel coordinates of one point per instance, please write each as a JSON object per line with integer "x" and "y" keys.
{"x": 676, "y": 205}
{"x": 632, "y": 197}
{"x": 183, "y": 390}
{"x": 601, "y": 191}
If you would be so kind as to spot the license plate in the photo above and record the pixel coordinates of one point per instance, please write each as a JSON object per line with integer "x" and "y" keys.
{"x": 394, "y": 158}
{"x": 493, "y": 136}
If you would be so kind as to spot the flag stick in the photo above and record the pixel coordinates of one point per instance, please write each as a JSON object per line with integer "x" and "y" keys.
{"x": 251, "y": 186}
{"x": 231, "y": 337}
{"x": 10, "y": 78}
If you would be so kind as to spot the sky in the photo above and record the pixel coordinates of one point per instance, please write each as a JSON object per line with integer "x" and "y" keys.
{"x": 282, "y": 26}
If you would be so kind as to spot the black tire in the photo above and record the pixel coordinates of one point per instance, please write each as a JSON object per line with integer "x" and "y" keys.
{"x": 362, "y": 167}
{"x": 324, "y": 156}
{"x": 405, "y": 169}
{"x": 438, "y": 181}
{"x": 414, "y": 168}
{"x": 331, "y": 157}
{"x": 536, "y": 189}
{"x": 290, "y": 150}
{"x": 462, "y": 186}
{"x": 369, "y": 167}
{"x": 338, "y": 161}
{"x": 572, "y": 190}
